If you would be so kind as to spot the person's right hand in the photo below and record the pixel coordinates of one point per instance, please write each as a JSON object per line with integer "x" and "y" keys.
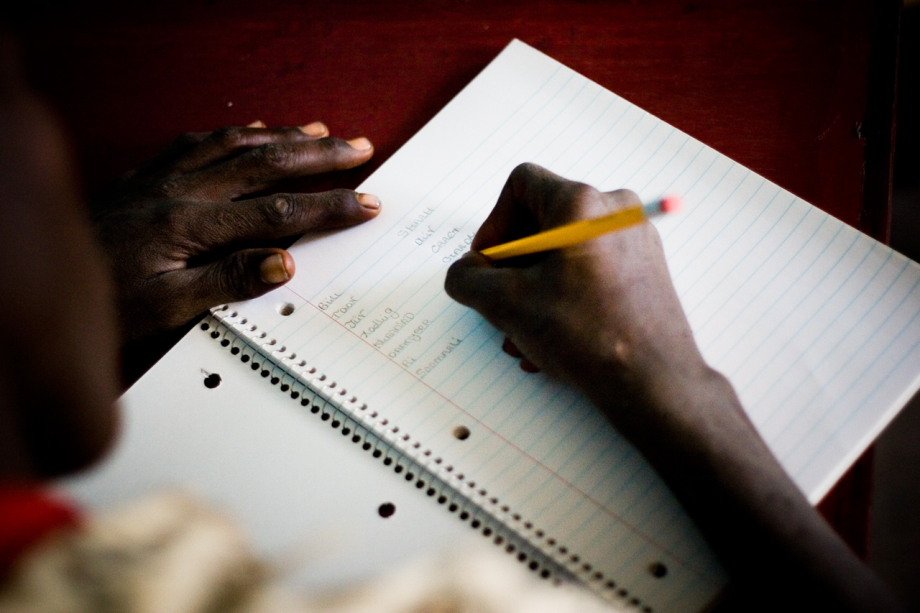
{"x": 602, "y": 315}
{"x": 181, "y": 233}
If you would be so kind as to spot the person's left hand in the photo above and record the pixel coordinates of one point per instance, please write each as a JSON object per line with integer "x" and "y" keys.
{"x": 180, "y": 237}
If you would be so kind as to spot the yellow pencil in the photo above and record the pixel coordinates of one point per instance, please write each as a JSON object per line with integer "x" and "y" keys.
{"x": 580, "y": 231}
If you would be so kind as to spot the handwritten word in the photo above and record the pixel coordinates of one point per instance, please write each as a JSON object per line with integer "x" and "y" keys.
{"x": 354, "y": 321}
{"x": 407, "y": 230}
{"x": 459, "y": 250}
{"x": 453, "y": 344}
{"x": 414, "y": 337}
{"x": 388, "y": 314}
{"x": 444, "y": 240}
{"x": 380, "y": 342}
{"x": 428, "y": 234}
{"x": 326, "y": 302}
{"x": 341, "y": 311}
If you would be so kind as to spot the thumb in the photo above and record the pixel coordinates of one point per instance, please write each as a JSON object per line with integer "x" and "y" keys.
{"x": 499, "y": 294}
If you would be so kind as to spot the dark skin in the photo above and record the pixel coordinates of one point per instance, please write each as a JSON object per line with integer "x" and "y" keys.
{"x": 182, "y": 233}
{"x": 603, "y": 316}
{"x": 179, "y": 236}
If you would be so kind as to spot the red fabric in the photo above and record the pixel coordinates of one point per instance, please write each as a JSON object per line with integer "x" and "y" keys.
{"x": 27, "y": 514}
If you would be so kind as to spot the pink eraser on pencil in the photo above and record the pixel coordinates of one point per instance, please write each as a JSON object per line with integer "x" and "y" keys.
{"x": 671, "y": 204}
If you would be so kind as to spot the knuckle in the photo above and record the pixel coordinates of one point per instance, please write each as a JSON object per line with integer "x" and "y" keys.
{"x": 325, "y": 208}
{"x": 188, "y": 139}
{"x": 625, "y": 197}
{"x": 328, "y": 146}
{"x": 522, "y": 176}
{"x": 583, "y": 199}
{"x": 301, "y": 212}
{"x": 525, "y": 170}
{"x": 339, "y": 198}
{"x": 581, "y": 191}
{"x": 229, "y": 137}
{"x": 530, "y": 178}
{"x": 333, "y": 205}
{"x": 292, "y": 133}
{"x": 168, "y": 187}
{"x": 282, "y": 209}
{"x": 171, "y": 220}
{"x": 276, "y": 156}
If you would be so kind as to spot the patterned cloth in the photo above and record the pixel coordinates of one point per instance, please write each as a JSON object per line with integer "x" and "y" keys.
{"x": 173, "y": 554}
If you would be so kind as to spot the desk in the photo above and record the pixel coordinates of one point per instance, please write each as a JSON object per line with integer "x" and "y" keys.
{"x": 800, "y": 91}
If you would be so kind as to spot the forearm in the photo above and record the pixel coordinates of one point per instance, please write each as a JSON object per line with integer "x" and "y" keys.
{"x": 604, "y": 317}
{"x": 777, "y": 549}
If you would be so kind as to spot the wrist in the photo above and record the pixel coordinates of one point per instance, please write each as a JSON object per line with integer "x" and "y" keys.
{"x": 645, "y": 389}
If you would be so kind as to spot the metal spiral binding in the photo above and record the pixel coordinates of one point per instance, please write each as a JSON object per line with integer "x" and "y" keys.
{"x": 395, "y": 448}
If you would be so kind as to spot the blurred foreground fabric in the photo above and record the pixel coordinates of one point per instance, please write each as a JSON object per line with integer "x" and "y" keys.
{"x": 173, "y": 554}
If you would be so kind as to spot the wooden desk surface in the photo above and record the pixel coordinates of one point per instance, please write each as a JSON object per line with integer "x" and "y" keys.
{"x": 801, "y": 91}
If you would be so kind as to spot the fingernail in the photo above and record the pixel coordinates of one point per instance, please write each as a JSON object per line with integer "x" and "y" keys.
{"x": 317, "y": 128}
{"x": 360, "y": 143}
{"x": 368, "y": 201}
{"x": 272, "y": 270}
{"x": 258, "y": 123}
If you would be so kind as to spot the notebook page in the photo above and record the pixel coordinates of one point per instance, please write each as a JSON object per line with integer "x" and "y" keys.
{"x": 379, "y": 324}
{"x": 815, "y": 323}
{"x": 812, "y": 321}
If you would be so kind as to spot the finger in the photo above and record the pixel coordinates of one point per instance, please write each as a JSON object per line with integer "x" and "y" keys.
{"x": 212, "y": 225}
{"x": 227, "y": 142}
{"x": 621, "y": 199}
{"x": 499, "y": 294}
{"x": 535, "y": 199}
{"x": 511, "y": 349}
{"x": 508, "y": 220}
{"x": 528, "y": 366}
{"x": 316, "y": 129}
{"x": 261, "y": 167}
{"x": 241, "y": 275}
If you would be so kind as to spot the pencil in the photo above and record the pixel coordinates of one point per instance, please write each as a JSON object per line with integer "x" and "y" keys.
{"x": 580, "y": 231}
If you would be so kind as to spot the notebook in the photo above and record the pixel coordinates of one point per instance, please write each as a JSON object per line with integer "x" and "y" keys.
{"x": 815, "y": 324}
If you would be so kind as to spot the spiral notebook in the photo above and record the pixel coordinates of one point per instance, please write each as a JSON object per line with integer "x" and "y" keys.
{"x": 816, "y": 325}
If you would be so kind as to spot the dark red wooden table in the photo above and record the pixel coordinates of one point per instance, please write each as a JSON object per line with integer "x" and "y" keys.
{"x": 800, "y": 91}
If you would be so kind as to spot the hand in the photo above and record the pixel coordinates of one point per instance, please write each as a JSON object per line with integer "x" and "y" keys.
{"x": 180, "y": 235}
{"x": 602, "y": 315}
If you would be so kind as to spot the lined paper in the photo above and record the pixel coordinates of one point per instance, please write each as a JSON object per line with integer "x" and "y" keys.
{"x": 815, "y": 324}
